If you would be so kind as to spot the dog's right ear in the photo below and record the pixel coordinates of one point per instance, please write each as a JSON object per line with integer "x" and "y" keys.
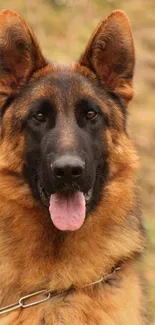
{"x": 20, "y": 54}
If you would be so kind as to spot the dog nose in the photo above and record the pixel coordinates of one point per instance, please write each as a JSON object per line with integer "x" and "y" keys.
{"x": 68, "y": 167}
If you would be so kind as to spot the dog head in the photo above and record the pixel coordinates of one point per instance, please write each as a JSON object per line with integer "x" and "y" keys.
{"x": 63, "y": 129}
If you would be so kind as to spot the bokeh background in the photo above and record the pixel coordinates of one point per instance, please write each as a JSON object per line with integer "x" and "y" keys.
{"x": 63, "y": 28}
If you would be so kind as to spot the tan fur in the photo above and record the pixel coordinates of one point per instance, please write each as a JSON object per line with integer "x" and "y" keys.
{"x": 34, "y": 255}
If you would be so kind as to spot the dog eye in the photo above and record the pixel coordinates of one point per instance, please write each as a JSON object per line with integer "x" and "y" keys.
{"x": 39, "y": 117}
{"x": 91, "y": 115}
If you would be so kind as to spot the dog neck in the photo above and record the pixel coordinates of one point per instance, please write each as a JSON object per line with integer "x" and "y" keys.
{"x": 32, "y": 299}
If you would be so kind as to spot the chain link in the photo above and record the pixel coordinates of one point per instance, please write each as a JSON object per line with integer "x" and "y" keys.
{"x": 22, "y": 303}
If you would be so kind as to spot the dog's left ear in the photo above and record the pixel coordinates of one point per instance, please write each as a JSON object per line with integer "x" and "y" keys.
{"x": 110, "y": 54}
{"x": 20, "y": 55}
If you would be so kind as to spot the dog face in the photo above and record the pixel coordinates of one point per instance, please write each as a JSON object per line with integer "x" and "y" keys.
{"x": 65, "y": 137}
{"x": 62, "y": 126}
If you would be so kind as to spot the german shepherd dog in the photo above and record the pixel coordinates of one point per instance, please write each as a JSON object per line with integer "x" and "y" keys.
{"x": 70, "y": 226}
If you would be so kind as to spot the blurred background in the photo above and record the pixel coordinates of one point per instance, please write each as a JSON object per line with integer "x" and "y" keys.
{"x": 63, "y": 28}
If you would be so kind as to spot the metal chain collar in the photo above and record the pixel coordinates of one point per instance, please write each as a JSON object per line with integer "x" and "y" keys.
{"x": 46, "y": 295}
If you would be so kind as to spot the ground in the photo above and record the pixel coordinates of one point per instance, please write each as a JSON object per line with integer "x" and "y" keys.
{"x": 63, "y": 28}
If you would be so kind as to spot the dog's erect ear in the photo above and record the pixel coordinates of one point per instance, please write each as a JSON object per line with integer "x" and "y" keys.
{"x": 110, "y": 54}
{"x": 20, "y": 54}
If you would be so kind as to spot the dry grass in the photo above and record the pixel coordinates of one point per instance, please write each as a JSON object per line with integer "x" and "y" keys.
{"x": 63, "y": 31}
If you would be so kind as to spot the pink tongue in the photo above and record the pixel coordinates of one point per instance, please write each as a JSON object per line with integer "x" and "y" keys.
{"x": 67, "y": 212}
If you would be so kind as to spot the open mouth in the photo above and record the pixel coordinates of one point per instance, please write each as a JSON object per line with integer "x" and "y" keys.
{"x": 67, "y": 211}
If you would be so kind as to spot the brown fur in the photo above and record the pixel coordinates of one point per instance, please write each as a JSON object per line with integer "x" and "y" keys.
{"x": 33, "y": 255}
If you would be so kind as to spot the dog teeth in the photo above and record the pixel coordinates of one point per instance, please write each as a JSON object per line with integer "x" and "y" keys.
{"x": 88, "y": 195}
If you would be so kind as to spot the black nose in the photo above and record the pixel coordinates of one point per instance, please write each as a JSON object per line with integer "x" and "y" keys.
{"x": 68, "y": 168}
